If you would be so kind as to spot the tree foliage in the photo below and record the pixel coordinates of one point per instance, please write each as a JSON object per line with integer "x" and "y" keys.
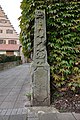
{"x": 63, "y": 38}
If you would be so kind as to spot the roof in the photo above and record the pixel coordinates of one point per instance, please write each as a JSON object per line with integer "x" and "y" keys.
{"x": 3, "y": 16}
{"x": 9, "y": 47}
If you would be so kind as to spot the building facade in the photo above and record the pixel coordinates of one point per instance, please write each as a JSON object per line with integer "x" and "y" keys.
{"x": 9, "y": 39}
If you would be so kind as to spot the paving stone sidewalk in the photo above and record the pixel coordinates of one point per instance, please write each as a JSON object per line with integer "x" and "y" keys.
{"x": 14, "y": 103}
{"x": 60, "y": 116}
{"x": 14, "y": 86}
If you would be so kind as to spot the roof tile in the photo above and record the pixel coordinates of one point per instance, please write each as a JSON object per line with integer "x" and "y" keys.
{"x": 9, "y": 47}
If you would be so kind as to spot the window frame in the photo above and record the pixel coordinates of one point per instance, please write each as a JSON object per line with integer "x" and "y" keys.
{"x": 3, "y": 42}
{"x": 12, "y": 42}
{"x": 1, "y": 31}
{"x": 9, "y": 31}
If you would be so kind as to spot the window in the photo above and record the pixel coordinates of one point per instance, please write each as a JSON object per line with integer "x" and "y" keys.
{"x": 10, "y": 53}
{"x": 12, "y": 42}
{"x": 9, "y": 31}
{"x": 1, "y": 31}
{"x": 2, "y": 41}
{"x": 3, "y": 21}
{"x": 15, "y": 42}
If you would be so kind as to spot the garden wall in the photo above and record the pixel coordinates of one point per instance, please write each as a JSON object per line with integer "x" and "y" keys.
{"x": 8, "y": 65}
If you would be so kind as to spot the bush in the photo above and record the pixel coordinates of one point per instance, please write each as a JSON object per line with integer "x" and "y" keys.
{"x": 5, "y": 58}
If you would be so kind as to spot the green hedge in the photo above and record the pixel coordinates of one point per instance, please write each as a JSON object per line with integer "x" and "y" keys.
{"x": 5, "y": 58}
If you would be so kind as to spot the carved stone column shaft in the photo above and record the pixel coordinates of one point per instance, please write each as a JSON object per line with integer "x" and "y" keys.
{"x": 40, "y": 68}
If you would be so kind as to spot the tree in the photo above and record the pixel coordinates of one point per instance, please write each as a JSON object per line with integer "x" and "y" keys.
{"x": 63, "y": 38}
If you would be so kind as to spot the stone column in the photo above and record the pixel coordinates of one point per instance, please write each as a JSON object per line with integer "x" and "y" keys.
{"x": 40, "y": 68}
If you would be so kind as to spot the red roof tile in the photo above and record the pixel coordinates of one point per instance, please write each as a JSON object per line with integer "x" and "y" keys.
{"x": 9, "y": 47}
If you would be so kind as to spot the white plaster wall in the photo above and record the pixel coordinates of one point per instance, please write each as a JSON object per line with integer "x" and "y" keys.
{"x": 4, "y": 35}
{"x": 18, "y": 42}
{"x": 2, "y": 52}
{"x": 6, "y": 41}
{"x": 16, "y": 53}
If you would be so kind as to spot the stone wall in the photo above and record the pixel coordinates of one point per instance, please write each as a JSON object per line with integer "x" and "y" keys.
{"x": 8, "y": 65}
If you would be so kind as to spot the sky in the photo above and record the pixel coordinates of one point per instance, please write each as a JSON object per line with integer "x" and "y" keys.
{"x": 13, "y": 12}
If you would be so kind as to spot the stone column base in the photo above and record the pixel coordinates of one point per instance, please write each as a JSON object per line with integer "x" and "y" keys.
{"x": 40, "y": 85}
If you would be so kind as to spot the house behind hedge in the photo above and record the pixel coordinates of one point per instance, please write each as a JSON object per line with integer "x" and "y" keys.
{"x": 9, "y": 39}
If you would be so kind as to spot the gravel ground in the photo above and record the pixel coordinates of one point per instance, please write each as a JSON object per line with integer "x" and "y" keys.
{"x": 68, "y": 103}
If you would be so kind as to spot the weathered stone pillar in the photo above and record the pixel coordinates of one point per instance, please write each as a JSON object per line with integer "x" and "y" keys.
{"x": 40, "y": 67}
